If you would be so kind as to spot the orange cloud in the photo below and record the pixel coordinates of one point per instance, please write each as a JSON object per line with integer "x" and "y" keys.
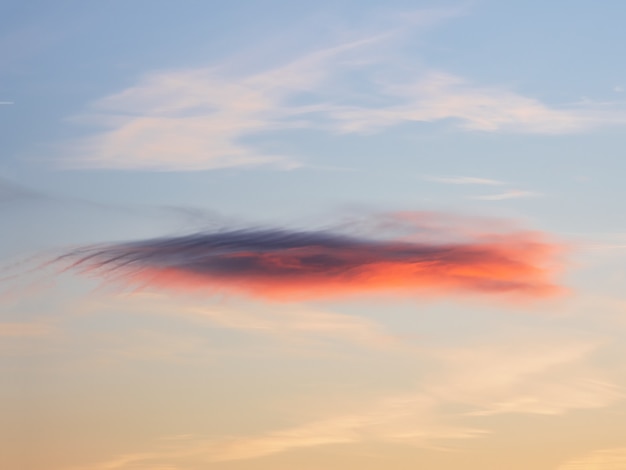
{"x": 281, "y": 264}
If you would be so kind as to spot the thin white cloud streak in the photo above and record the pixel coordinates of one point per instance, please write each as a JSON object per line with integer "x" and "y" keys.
{"x": 464, "y": 180}
{"x": 200, "y": 118}
{"x": 440, "y": 96}
{"x": 195, "y": 119}
{"x": 608, "y": 241}
{"x": 470, "y": 180}
{"x": 512, "y": 194}
{"x": 606, "y": 459}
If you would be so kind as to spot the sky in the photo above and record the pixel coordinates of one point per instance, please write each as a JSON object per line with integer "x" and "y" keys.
{"x": 338, "y": 234}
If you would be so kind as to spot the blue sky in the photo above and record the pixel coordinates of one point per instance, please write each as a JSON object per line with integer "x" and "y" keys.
{"x": 70, "y": 56}
{"x": 422, "y": 208}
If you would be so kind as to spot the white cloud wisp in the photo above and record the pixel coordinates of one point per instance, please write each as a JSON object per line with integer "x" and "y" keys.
{"x": 206, "y": 117}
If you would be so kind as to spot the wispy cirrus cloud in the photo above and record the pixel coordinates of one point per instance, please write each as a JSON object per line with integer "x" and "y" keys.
{"x": 551, "y": 379}
{"x": 284, "y": 264}
{"x": 470, "y": 180}
{"x": 504, "y": 379}
{"x": 203, "y": 117}
{"x": 511, "y": 194}
{"x": 284, "y": 322}
{"x": 195, "y": 119}
{"x": 605, "y": 459}
{"x": 301, "y": 323}
{"x": 494, "y": 379}
{"x": 390, "y": 420}
{"x": 435, "y": 96}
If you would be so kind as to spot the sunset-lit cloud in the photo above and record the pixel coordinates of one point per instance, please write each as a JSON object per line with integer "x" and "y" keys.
{"x": 283, "y": 264}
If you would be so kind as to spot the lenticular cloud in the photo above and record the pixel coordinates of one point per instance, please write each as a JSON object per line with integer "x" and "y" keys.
{"x": 282, "y": 264}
